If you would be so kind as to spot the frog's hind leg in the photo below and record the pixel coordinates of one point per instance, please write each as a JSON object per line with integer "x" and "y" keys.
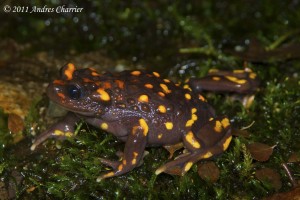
{"x": 212, "y": 139}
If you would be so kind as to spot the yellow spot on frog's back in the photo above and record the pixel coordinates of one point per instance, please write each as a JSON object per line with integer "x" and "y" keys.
{"x": 95, "y": 74}
{"x": 149, "y": 86}
{"x": 167, "y": 81}
{"x": 194, "y": 117}
{"x": 169, "y": 125}
{"x": 135, "y": 73}
{"x": 143, "y": 98}
{"x": 189, "y": 123}
{"x": 208, "y": 155}
{"x": 194, "y": 110}
{"x": 238, "y": 71}
{"x": 225, "y": 122}
{"x": 165, "y": 88}
{"x": 159, "y": 136}
{"x": 144, "y": 125}
{"x": 188, "y": 96}
{"x": 120, "y": 168}
{"x": 69, "y": 71}
{"x": 210, "y": 119}
{"x": 218, "y": 126}
{"x": 104, "y": 96}
{"x": 156, "y": 74}
{"x": 188, "y": 166}
{"x": 104, "y": 126}
{"x": 216, "y": 78}
{"x": 161, "y": 94}
{"x": 135, "y": 154}
{"x": 213, "y": 70}
{"x": 236, "y": 80}
{"x": 252, "y": 75}
{"x": 186, "y": 86}
{"x": 201, "y": 98}
{"x": 190, "y": 138}
{"x": 124, "y": 162}
{"x": 226, "y": 143}
{"x": 162, "y": 109}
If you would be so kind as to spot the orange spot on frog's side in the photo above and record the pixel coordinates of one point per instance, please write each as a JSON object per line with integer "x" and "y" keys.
{"x": 86, "y": 80}
{"x": 135, "y": 73}
{"x": 58, "y": 82}
{"x": 201, "y": 98}
{"x": 69, "y": 71}
{"x": 149, "y": 86}
{"x": 95, "y": 73}
{"x": 165, "y": 88}
{"x": 120, "y": 84}
{"x": 156, "y": 74}
{"x": 161, "y": 94}
{"x": 106, "y": 85}
{"x": 61, "y": 95}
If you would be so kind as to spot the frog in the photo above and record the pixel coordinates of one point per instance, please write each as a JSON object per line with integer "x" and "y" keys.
{"x": 144, "y": 110}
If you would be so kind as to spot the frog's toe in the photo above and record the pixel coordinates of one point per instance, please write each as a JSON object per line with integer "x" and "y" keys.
{"x": 179, "y": 166}
{"x": 106, "y": 175}
{"x": 110, "y": 163}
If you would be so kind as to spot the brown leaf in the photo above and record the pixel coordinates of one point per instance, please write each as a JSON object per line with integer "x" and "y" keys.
{"x": 15, "y": 123}
{"x": 240, "y": 133}
{"x": 294, "y": 194}
{"x": 209, "y": 171}
{"x": 270, "y": 176}
{"x": 259, "y": 151}
{"x": 294, "y": 157}
{"x": 16, "y": 126}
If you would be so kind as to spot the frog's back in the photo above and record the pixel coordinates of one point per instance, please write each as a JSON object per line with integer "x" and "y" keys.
{"x": 169, "y": 109}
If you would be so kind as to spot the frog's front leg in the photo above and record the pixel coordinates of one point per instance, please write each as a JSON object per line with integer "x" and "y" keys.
{"x": 212, "y": 139}
{"x": 60, "y": 130}
{"x": 133, "y": 152}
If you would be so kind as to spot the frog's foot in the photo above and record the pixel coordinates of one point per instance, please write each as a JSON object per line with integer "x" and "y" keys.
{"x": 173, "y": 148}
{"x": 61, "y": 130}
{"x": 212, "y": 139}
{"x": 179, "y": 166}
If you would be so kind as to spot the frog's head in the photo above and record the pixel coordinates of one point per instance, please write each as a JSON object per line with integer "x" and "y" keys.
{"x": 79, "y": 91}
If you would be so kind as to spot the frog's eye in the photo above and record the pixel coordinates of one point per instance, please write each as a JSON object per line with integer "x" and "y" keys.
{"x": 74, "y": 92}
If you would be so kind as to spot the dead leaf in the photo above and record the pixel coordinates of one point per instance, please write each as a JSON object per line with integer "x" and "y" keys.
{"x": 295, "y": 157}
{"x": 259, "y": 151}
{"x": 240, "y": 133}
{"x": 16, "y": 126}
{"x": 270, "y": 176}
{"x": 209, "y": 171}
{"x": 294, "y": 194}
